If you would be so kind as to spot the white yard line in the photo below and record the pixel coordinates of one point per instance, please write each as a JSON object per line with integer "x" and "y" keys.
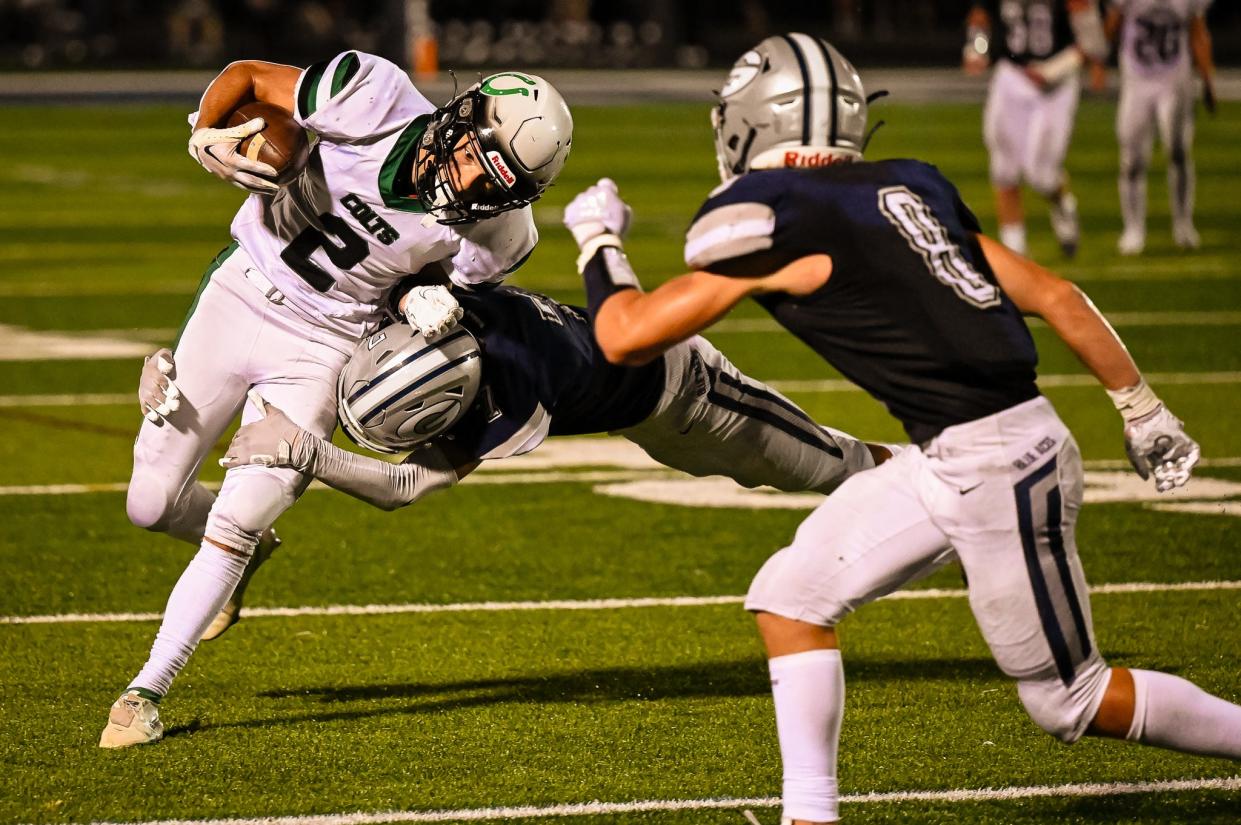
{"x": 1092, "y": 789}
{"x": 1120, "y": 588}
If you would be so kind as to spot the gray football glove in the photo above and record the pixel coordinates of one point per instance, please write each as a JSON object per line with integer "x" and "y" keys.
{"x": 158, "y": 396}
{"x": 1158, "y": 445}
{"x": 597, "y": 210}
{"x": 271, "y": 441}
{"x": 432, "y": 310}
{"x": 216, "y": 151}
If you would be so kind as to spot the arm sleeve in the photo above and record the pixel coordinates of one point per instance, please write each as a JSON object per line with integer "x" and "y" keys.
{"x": 384, "y": 485}
{"x": 355, "y": 96}
{"x": 493, "y": 249}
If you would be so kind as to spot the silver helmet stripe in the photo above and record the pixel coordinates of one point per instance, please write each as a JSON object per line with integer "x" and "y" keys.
{"x": 431, "y": 376}
{"x": 805, "y": 83}
{"x": 832, "y": 100}
{"x": 820, "y": 80}
{"x": 369, "y": 385}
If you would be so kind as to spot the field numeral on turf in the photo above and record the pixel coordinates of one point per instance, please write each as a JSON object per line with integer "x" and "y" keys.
{"x": 350, "y": 251}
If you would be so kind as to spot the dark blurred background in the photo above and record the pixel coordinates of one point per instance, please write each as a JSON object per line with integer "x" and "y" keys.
{"x": 120, "y": 34}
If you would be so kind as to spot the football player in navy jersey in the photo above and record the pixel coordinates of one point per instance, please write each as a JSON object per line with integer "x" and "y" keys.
{"x": 1038, "y": 48}
{"x": 519, "y": 367}
{"x": 881, "y": 269}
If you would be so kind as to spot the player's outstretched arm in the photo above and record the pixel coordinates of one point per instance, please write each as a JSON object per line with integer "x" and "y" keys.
{"x": 275, "y": 441}
{"x": 1155, "y": 440}
{"x": 634, "y": 327}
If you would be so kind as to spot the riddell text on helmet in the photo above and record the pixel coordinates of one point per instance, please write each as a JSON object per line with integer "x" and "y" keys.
{"x": 795, "y": 158}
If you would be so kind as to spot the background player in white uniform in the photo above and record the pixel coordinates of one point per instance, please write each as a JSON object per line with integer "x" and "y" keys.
{"x": 881, "y": 268}
{"x": 1038, "y": 47}
{"x": 392, "y": 185}
{"x": 1158, "y": 39}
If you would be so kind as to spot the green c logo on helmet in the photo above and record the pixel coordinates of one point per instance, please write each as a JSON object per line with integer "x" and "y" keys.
{"x": 488, "y": 89}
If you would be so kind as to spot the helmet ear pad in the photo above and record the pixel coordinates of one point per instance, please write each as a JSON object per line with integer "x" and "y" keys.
{"x": 398, "y": 390}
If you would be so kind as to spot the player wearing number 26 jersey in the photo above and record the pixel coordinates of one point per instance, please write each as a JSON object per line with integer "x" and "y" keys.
{"x": 392, "y": 185}
{"x": 881, "y": 269}
{"x": 1159, "y": 40}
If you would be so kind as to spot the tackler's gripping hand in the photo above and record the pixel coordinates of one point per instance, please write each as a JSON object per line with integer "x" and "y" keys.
{"x": 431, "y": 310}
{"x": 271, "y": 441}
{"x": 158, "y": 396}
{"x": 1158, "y": 445}
{"x": 216, "y": 151}
{"x": 597, "y": 211}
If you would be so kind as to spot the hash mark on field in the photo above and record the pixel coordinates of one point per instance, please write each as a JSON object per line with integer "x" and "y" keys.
{"x": 579, "y": 604}
{"x": 1093, "y": 789}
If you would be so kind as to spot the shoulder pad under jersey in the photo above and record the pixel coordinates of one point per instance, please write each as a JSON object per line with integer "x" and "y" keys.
{"x": 356, "y": 95}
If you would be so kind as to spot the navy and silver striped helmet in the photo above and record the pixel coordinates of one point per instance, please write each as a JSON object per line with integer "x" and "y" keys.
{"x": 398, "y": 390}
{"x": 792, "y": 100}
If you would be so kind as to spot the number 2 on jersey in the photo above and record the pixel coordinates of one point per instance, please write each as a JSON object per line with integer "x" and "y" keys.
{"x": 350, "y": 251}
{"x": 929, "y": 238}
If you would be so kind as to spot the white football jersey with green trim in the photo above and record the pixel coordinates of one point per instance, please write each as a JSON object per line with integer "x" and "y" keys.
{"x": 336, "y": 239}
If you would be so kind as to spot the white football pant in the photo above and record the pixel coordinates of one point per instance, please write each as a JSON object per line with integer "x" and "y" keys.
{"x": 234, "y": 338}
{"x": 1027, "y": 130}
{"x": 1004, "y": 492}
{"x": 714, "y": 420}
{"x": 1147, "y": 105}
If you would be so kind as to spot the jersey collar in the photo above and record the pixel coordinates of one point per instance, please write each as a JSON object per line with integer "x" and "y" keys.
{"x": 396, "y": 160}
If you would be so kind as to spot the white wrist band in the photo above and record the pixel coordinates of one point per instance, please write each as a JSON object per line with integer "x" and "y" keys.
{"x": 1135, "y": 402}
{"x": 594, "y": 245}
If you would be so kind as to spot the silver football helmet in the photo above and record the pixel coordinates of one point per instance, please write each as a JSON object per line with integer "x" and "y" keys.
{"x": 398, "y": 390}
{"x": 792, "y": 100}
{"x": 520, "y": 130}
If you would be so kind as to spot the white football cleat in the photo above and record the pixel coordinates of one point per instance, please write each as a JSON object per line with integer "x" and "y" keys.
{"x": 1132, "y": 242}
{"x": 1065, "y": 225}
{"x": 230, "y": 613}
{"x": 133, "y": 720}
{"x": 1185, "y": 236}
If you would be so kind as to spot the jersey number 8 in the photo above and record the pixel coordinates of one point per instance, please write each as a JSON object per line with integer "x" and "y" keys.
{"x": 929, "y": 238}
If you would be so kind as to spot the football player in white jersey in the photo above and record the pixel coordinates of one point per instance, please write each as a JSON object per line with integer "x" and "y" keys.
{"x": 1158, "y": 40}
{"x": 392, "y": 185}
{"x": 1038, "y": 47}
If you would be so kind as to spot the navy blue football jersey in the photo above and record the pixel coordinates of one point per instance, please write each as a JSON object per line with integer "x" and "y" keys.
{"x": 1026, "y": 30}
{"x": 543, "y": 374}
{"x": 912, "y": 312}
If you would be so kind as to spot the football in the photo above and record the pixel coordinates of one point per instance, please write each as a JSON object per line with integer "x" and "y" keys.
{"x": 282, "y": 143}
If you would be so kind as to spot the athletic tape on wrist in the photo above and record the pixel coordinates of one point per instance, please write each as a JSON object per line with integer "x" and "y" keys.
{"x": 606, "y": 273}
{"x": 594, "y": 245}
{"x": 1135, "y": 402}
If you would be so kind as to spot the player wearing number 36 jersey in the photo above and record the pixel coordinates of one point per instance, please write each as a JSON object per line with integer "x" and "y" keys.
{"x": 392, "y": 185}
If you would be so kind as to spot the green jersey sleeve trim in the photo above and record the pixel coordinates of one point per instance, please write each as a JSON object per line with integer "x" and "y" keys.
{"x": 345, "y": 70}
{"x": 401, "y": 150}
{"x": 308, "y": 90}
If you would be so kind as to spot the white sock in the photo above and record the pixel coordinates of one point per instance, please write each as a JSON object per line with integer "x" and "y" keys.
{"x": 1174, "y": 713}
{"x": 809, "y": 692}
{"x": 1013, "y": 235}
{"x": 202, "y": 590}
